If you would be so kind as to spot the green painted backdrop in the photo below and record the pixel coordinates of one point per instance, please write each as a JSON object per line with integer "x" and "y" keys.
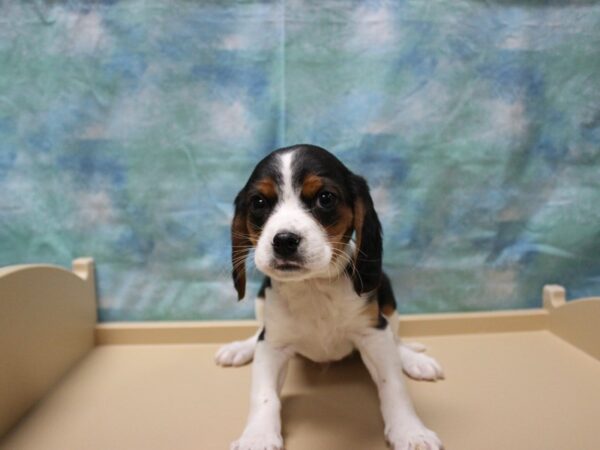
{"x": 126, "y": 129}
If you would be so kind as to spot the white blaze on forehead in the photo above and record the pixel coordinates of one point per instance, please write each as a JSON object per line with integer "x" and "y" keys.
{"x": 289, "y": 214}
{"x": 287, "y": 186}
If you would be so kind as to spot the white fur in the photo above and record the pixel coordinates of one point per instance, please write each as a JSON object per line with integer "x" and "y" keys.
{"x": 316, "y": 317}
{"x": 287, "y": 188}
{"x": 415, "y": 363}
{"x": 263, "y": 429}
{"x": 418, "y": 365}
{"x": 238, "y": 353}
{"x": 403, "y": 429}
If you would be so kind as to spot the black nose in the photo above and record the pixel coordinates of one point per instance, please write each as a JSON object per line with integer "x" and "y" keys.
{"x": 286, "y": 244}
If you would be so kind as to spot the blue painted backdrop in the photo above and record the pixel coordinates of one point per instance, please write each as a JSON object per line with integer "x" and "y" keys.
{"x": 126, "y": 129}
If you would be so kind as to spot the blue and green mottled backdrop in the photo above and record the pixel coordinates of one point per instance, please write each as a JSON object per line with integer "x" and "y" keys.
{"x": 126, "y": 129}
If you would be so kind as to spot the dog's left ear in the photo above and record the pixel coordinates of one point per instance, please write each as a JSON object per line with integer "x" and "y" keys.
{"x": 366, "y": 274}
{"x": 240, "y": 245}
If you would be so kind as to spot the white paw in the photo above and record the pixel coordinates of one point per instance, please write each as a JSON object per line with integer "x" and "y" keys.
{"x": 259, "y": 441}
{"x": 236, "y": 353}
{"x": 419, "y": 366}
{"x": 413, "y": 438}
{"x": 416, "y": 346}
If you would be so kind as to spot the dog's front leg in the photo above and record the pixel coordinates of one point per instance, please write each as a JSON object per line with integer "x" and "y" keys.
{"x": 403, "y": 428}
{"x": 263, "y": 429}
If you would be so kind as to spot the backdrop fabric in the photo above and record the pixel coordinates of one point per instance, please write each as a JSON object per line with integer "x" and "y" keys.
{"x": 127, "y": 128}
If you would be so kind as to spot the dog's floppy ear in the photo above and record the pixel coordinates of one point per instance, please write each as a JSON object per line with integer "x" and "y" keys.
{"x": 366, "y": 274}
{"x": 240, "y": 245}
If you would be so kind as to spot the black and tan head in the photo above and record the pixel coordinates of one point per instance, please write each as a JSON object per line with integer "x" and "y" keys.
{"x": 299, "y": 210}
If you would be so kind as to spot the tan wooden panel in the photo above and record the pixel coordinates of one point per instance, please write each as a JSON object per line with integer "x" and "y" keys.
{"x": 47, "y": 318}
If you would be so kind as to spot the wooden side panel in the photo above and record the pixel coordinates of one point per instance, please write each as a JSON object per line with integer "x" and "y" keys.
{"x": 577, "y": 321}
{"x": 47, "y": 319}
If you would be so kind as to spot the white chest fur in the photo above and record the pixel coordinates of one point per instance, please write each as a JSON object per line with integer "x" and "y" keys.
{"x": 317, "y": 318}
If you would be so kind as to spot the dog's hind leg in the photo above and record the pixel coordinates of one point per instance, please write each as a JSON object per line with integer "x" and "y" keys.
{"x": 238, "y": 353}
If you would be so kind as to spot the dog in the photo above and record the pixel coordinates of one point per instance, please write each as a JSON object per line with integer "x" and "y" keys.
{"x": 318, "y": 241}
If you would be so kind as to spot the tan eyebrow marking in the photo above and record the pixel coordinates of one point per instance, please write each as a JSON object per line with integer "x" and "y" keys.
{"x": 312, "y": 184}
{"x": 267, "y": 187}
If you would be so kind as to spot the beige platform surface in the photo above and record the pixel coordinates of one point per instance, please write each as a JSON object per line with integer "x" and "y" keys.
{"x": 515, "y": 380}
{"x": 522, "y": 390}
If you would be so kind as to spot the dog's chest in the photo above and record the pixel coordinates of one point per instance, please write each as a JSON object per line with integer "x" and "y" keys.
{"x": 317, "y": 318}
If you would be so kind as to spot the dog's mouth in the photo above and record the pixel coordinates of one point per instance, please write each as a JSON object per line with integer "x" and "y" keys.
{"x": 287, "y": 266}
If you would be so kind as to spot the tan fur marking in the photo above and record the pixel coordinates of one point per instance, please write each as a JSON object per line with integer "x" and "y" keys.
{"x": 337, "y": 230}
{"x": 388, "y": 310}
{"x": 340, "y": 232}
{"x": 372, "y": 312}
{"x": 267, "y": 187}
{"x": 312, "y": 184}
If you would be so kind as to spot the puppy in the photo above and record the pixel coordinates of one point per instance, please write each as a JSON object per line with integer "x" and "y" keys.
{"x": 324, "y": 294}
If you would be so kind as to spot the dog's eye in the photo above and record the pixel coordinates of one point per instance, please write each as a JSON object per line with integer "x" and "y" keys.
{"x": 326, "y": 200}
{"x": 258, "y": 203}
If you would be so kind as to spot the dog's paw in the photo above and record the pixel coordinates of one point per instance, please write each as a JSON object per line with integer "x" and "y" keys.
{"x": 418, "y": 365}
{"x": 416, "y": 346}
{"x": 236, "y": 353}
{"x": 413, "y": 438}
{"x": 258, "y": 441}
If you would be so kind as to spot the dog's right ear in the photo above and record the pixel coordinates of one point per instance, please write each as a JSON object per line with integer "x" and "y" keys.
{"x": 240, "y": 244}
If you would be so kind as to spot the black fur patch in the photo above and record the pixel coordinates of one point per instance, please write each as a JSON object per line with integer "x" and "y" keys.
{"x": 266, "y": 283}
{"x": 381, "y": 322}
{"x": 261, "y": 336}
{"x": 370, "y": 251}
{"x": 385, "y": 294}
{"x": 310, "y": 159}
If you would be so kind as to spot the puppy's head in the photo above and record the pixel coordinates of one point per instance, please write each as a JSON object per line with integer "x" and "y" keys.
{"x": 299, "y": 210}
